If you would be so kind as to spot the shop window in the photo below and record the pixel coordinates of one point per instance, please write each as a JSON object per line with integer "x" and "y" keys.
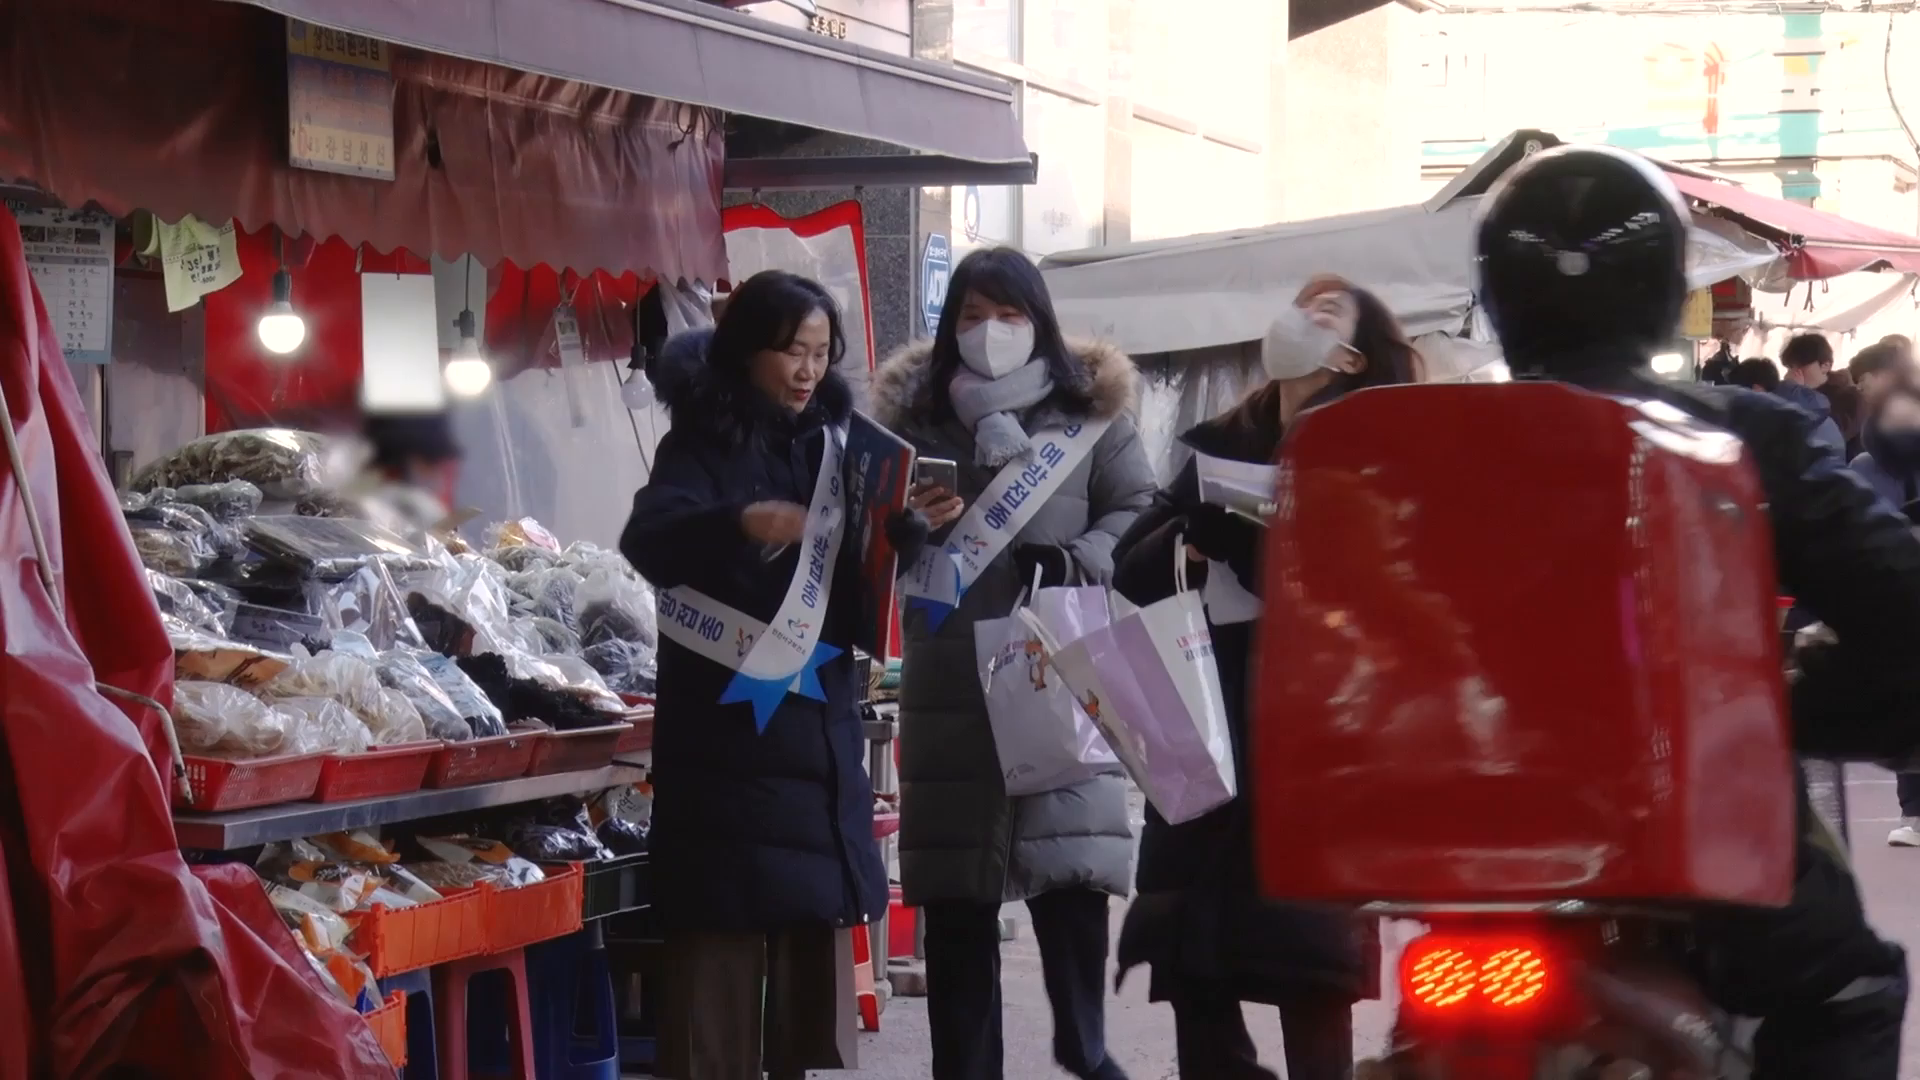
{"x": 986, "y": 28}
{"x": 1067, "y": 39}
{"x": 1065, "y": 208}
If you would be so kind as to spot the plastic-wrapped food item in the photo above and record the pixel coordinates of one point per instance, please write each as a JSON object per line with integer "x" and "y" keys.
{"x": 497, "y": 862}
{"x": 523, "y": 560}
{"x": 203, "y": 657}
{"x": 162, "y": 512}
{"x": 399, "y": 721}
{"x": 175, "y": 554}
{"x": 524, "y": 699}
{"x": 524, "y": 532}
{"x": 401, "y": 888}
{"x": 473, "y": 591}
{"x": 620, "y": 818}
{"x": 549, "y": 594}
{"x": 282, "y": 463}
{"x": 228, "y": 502}
{"x": 214, "y": 718}
{"x": 472, "y": 703}
{"x": 615, "y": 606}
{"x": 581, "y": 679}
{"x": 368, "y": 603}
{"x": 344, "y": 678}
{"x": 556, "y": 843}
{"x": 319, "y": 928}
{"x": 402, "y": 673}
{"x": 554, "y": 638}
{"x": 303, "y": 867}
{"x": 178, "y": 599}
{"x": 627, "y": 666}
{"x": 322, "y": 725}
{"x": 330, "y": 549}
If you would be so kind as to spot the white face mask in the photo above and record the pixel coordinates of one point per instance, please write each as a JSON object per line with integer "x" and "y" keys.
{"x": 1297, "y": 346}
{"x": 994, "y": 348}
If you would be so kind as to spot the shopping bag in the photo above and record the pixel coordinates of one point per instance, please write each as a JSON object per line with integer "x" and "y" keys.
{"x": 1149, "y": 681}
{"x": 1044, "y": 740}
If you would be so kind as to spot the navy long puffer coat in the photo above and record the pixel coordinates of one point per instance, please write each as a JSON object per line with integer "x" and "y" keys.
{"x": 752, "y": 831}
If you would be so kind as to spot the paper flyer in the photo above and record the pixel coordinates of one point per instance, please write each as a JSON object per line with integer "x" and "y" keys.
{"x": 879, "y": 472}
{"x": 1240, "y": 486}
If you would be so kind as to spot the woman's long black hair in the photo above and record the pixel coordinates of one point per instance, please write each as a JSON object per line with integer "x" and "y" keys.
{"x": 765, "y": 312}
{"x": 1391, "y": 358}
{"x": 1005, "y": 276}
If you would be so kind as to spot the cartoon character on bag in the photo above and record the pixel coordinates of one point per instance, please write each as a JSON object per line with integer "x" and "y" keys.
{"x": 1037, "y": 664}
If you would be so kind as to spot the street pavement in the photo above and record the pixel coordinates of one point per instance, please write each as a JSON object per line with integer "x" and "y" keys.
{"x": 1140, "y": 1034}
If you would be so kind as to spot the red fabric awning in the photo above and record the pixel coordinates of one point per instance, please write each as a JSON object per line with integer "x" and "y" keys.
{"x": 1817, "y": 244}
{"x": 180, "y": 106}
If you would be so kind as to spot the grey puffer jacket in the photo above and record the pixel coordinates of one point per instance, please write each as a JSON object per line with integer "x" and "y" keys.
{"x": 961, "y": 837}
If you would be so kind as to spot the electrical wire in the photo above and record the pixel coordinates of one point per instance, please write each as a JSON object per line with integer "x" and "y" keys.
{"x": 1886, "y": 76}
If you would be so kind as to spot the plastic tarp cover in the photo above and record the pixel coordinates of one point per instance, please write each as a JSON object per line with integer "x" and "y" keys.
{"x": 128, "y": 958}
{"x": 558, "y": 445}
{"x": 1197, "y": 292}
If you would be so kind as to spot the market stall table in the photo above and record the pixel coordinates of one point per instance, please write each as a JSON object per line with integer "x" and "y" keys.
{"x": 289, "y": 821}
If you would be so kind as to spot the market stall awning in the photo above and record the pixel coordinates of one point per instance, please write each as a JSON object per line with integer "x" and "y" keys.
{"x": 1816, "y": 244}
{"x": 683, "y": 50}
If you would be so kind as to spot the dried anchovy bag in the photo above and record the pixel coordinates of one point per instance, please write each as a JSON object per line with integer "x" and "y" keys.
{"x": 226, "y": 721}
{"x": 284, "y": 464}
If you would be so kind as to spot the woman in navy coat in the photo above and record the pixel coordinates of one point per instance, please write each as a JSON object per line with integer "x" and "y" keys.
{"x": 763, "y": 850}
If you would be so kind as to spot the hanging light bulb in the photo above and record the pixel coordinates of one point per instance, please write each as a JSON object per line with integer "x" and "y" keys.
{"x": 1668, "y": 363}
{"x": 281, "y": 328}
{"x": 468, "y": 374}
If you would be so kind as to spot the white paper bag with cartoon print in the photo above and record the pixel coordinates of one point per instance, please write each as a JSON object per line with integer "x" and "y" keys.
{"x": 1044, "y": 740}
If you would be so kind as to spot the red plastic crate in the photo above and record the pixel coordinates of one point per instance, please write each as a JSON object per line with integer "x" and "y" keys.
{"x": 223, "y": 784}
{"x": 382, "y": 770}
{"x": 408, "y": 939}
{"x": 639, "y": 735}
{"x": 538, "y": 912}
{"x": 900, "y": 924}
{"x": 389, "y": 1024}
{"x": 481, "y": 761}
{"x": 572, "y": 751}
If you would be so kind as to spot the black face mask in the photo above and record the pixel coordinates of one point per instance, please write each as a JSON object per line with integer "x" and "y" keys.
{"x": 1896, "y": 450}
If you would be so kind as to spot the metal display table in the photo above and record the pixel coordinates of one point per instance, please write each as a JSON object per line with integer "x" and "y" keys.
{"x": 288, "y": 821}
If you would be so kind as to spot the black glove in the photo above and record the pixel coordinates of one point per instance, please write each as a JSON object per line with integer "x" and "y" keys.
{"x": 907, "y": 533}
{"x": 1224, "y": 536}
{"x": 1054, "y": 563}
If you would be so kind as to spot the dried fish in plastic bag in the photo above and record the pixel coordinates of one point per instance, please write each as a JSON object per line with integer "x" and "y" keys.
{"x": 616, "y": 605}
{"x": 228, "y": 502}
{"x": 181, "y": 601}
{"x": 175, "y": 554}
{"x": 330, "y": 549}
{"x": 282, "y": 463}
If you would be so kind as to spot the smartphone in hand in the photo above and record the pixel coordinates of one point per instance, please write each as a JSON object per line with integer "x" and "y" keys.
{"x": 937, "y": 472}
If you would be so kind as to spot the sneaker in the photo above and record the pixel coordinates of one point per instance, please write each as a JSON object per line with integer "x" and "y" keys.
{"x": 1907, "y": 835}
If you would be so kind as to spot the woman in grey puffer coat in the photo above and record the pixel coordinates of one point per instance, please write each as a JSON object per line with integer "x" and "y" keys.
{"x": 997, "y": 372}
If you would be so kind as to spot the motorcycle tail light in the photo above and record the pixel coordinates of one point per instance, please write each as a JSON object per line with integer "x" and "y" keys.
{"x": 1478, "y": 975}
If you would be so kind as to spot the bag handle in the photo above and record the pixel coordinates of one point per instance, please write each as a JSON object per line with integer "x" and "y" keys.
{"x": 1179, "y": 562}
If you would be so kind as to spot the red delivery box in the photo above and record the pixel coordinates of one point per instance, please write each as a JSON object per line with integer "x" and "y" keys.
{"x": 1519, "y": 645}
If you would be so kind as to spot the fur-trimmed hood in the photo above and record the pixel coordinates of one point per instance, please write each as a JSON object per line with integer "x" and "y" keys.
{"x": 696, "y": 398}
{"x": 901, "y": 392}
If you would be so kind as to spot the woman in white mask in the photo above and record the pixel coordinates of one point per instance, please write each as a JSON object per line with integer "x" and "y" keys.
{"x": 1052, "y": 472}
{"x": 1197, "y": 921}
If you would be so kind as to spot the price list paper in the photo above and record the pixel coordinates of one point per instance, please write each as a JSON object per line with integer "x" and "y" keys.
{"x": 339, "y": 102}
{"x": 70, "y": 255}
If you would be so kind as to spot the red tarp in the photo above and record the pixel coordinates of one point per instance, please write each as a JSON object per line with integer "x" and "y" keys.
{"x": 113, "y": 952}
{"x": 180, "y": 106}
{"x": 1817, "y": 244}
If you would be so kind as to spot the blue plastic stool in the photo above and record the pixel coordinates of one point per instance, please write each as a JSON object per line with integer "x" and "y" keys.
{"x": 423, "y": 1061}
{"x": 575, "y": 1032}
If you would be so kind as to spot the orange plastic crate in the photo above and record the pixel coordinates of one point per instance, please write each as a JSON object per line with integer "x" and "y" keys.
{"x": 537, "y": 912}
{"x": 408, "y": 939}
{"x": 389, "y": 1024}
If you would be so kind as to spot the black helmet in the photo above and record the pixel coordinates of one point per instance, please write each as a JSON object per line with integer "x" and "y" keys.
{"x": 1582, "y": 251}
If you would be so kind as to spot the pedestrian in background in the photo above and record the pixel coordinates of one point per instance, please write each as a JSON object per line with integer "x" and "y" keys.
{"x": 1844, "y": 405}
{"x": 1756, "y": 373}
{"x": 1878, "y": 368}
{"x": 1891, "y": 466}
{"x": 1199, "y": 921}
{"x": 1808, "y": 359}
{"x": 762, "y": 838}
{"x": 994, "y": 380}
